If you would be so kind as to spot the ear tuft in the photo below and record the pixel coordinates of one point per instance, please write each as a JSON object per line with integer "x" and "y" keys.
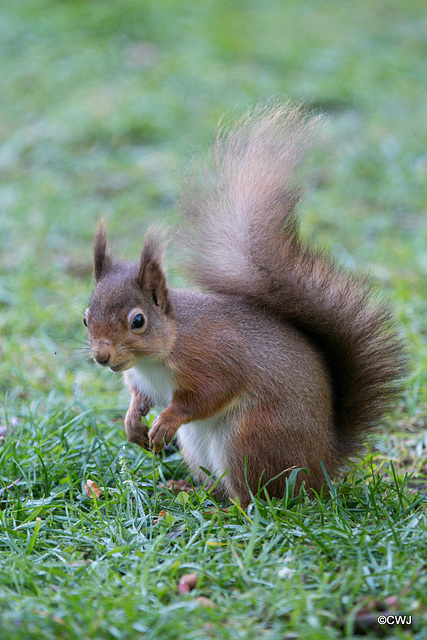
{"x": 102, "y": 261}
{"x": 151, "y": 275}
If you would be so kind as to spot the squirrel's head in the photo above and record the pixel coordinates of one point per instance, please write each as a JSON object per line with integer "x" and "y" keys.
{"x": 130, "y": 314}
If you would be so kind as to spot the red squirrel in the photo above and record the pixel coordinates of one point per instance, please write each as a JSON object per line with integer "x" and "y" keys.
{"x": 280, "y": 359}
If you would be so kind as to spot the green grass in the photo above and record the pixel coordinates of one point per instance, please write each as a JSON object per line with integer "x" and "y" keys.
{"x": 79, "y": 567}
{"x": 103, "y": 104}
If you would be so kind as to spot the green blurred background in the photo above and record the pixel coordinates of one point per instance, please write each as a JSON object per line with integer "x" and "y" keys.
{"x": 103, "y": 103}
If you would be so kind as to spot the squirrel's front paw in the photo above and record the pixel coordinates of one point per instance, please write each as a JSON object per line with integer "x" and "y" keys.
{"x": 136, "y": 432}
{"x": 162, "y": 432}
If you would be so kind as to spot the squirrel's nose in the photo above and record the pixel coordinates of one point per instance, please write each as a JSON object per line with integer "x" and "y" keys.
{"x": 102, "y": 353}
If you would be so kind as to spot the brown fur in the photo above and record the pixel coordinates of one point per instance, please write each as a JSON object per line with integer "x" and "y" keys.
{"x": 244, "y": 241}
{"x": 284, "y": 360}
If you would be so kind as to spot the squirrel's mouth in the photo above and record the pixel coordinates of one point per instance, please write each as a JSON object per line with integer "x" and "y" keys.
{"x": 119, "y": 367}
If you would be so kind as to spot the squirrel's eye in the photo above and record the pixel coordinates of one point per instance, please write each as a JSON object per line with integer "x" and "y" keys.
{"x": 138, "y": 321}
{"x": 85, "y": 321}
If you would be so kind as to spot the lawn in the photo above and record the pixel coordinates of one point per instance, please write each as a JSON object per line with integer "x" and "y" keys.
{"x": 103, "y": 105}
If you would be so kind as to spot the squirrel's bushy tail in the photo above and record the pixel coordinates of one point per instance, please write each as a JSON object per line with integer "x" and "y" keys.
{"x": 243, "y": 239}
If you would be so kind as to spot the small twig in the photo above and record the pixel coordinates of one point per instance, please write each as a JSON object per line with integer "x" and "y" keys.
{"x": 10, "y": 486}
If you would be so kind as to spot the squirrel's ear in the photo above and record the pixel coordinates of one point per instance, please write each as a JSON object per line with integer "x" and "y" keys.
{"x": 151, "y": 276}
{"x": 102, "y": 261}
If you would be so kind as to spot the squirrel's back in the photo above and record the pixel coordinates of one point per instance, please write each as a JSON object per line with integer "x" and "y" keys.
{"x": 242, "y": 239}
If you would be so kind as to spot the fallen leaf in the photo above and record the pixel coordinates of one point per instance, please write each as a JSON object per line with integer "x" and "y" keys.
{"x": 176, "y": 486}
{"x": 205, "y": 602}
{"x": 92, "y": 488}
{"x": 391, "y": 601}
{"x": 162, "y": 514}
{"x": 187, "y": 583}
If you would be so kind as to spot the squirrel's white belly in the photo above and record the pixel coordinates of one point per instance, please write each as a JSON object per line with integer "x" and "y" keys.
{"x": 202, "y": 443}
{"x": 154, "y": 379}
